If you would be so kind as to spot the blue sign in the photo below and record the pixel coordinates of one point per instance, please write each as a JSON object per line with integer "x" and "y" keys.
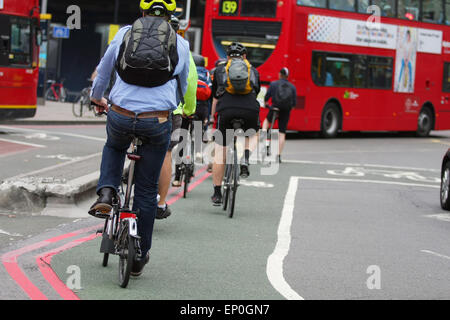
{"x": 61, "y": 32}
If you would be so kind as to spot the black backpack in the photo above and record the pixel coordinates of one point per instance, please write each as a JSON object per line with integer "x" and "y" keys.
{"x": 283, "y": 96}
{"x": 148, "y": 55}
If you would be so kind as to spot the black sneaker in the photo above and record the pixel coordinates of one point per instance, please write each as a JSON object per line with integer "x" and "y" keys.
{"x": 245, "y": 173}
{"x": 138, "y": 266}
{"x": 217, "y": 200}
{"x": 163, "y": 213}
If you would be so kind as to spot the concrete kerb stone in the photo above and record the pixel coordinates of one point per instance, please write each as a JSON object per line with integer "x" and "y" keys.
{"x": 46, "y": 196}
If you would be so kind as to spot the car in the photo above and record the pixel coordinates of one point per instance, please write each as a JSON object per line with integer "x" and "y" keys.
{"x": 445, "y": 182}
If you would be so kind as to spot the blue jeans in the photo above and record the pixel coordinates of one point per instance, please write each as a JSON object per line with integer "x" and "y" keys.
{"x": 153, "y": 151}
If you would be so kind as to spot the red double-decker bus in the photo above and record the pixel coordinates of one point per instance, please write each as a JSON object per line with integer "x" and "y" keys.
{"x": 387, "y": 70}
{"x": 19, "y": 56}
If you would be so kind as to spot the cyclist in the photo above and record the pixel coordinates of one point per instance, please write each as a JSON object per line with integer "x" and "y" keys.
{"x": 284, "y": 98}
{"x": 233, "y": 101}
{"x": 189, "y": 108}
{"x": 140, "y": 110}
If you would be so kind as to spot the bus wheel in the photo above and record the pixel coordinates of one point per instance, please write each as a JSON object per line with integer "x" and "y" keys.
{"x": 331, "y": 120}
{"x": 425, "y": 122}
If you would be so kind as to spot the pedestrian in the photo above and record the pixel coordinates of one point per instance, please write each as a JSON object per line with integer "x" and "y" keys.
{"x": 284, "y": 97}
{"x": 143, "y": 98}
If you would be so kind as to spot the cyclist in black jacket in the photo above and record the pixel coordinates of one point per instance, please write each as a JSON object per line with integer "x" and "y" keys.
{"x": 284, "y": 98}
{"x": 233, "y": 106}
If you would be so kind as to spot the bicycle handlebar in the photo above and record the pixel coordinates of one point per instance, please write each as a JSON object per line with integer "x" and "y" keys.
{"x": 99, "y": 114}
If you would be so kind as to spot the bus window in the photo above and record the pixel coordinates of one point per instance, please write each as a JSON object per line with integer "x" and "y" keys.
{"x": 446, "y": 82}
{"x": 313, "y": 3}
{"x": 360, "y": 71}
{"x": 259, "y": 8}
{"x": 380, "y": 72}
{"x": 408, "y": 9}
{"x": 344, "y": 5}
{"x": 363, "y": 5}
{"x": 318, "y": 68}
{"x": 20, "y": 52}
{"x": 432, "y": 11}
{"x": 387, "y": 7}
{"x": 338, "y": 70}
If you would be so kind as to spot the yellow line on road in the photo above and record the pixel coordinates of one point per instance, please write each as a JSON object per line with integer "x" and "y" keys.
{"x": 440, "y": 142}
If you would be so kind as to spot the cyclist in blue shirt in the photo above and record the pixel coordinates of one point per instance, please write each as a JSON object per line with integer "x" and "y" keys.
{"x": 142, "y": 111}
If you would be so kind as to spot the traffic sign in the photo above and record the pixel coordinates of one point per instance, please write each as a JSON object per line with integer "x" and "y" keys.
{"x": 61, "y": 32}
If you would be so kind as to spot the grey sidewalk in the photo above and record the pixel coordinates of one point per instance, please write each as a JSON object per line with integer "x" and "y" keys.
{"x": 54, "y": 113}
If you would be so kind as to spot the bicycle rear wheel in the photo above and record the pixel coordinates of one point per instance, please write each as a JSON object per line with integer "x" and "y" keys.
{"x": 233, "y": 186}
{"x": 226, "y": 186}
{"x": 127, "y": 255}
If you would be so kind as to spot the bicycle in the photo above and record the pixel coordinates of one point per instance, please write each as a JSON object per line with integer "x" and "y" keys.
{"x": 232, "y": 177}
{"x": 275, "y": 115}
{"x": 56, "y": 91}
{"x": 120, "y": 234}
{"x": 187, "y": 166}
{"x": 84, "y": 101}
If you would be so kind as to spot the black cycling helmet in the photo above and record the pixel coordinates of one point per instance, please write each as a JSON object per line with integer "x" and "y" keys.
{"x": 175, "y": 23}
{"x": 236, "y": 49}
{"x": 199, "y": 60}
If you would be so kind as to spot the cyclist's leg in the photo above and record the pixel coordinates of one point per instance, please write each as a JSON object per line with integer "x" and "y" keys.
{"x": 283, "y": 120}
{"x": 218, "y": 169}
{"x": 163, "y": 210}
{"x": 148, "y": 169}
{"x": 113, "y": 159}
{"x": 267, "y": 121}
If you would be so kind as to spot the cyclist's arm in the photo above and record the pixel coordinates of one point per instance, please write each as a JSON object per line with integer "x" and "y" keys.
{"x": 294, "y": 98}
{"x": 268, "y": 94}
{"x": 191, "y": 94}
{"x": 106, "y": 66}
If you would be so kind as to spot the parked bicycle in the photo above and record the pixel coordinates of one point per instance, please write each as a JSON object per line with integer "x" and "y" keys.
{"x": 120, "y": 234}
{"x": 56, "y": 91}
{"x": 231, "y": 177}
{"x": 83, "y": 103}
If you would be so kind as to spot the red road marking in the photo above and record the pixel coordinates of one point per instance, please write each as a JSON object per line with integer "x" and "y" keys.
{"x": 44, "y": 261}
{"x": 10, "y": 148}
{"x": 9, "y": 259}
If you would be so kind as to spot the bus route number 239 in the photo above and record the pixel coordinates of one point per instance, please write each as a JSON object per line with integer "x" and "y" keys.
{"x": 229, "y": 7}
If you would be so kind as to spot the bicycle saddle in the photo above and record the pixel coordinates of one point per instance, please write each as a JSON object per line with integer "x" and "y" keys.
{"x": 275, "y": 109}
{"x": 237, "y": 123}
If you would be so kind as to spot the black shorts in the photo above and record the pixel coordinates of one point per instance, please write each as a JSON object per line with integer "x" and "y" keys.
{"x": 176, "y": 124}
{"x": 283, "y": 119}
{"x": 251, "y": 122}
{"x": 202, "y": 112}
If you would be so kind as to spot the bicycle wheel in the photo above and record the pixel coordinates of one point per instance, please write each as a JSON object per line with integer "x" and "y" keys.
{"x": 49, "y": 95}
{"x": 234, "y": 186}
{"x": 127, "y": 255}
{"x": 226, "y": 186}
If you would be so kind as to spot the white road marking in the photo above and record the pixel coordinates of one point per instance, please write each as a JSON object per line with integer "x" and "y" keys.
{"x": 54, "y": 167}
{"x": 10, "y": 234}
{"x": 359, "y": 164}
{"x": 435, "y": 254}
{"x": 371, "y": 181}
{"x": 441, "y": 217}
{"x": 23, "y": 143}
{"x": 55, "y": 133}
{"x": 274, "y": 269}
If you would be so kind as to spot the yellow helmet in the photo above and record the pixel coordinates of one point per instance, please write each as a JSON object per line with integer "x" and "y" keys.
{"x": 167, "y": 5}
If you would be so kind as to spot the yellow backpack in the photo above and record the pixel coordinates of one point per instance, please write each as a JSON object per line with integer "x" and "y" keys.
{"x": 238, "y": 76}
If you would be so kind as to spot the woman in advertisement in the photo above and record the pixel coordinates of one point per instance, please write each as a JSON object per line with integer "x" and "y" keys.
{"x": 406, "y": 59}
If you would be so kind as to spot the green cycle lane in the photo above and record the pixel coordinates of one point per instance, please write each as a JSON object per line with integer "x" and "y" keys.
{"x": 198, "y": 252}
